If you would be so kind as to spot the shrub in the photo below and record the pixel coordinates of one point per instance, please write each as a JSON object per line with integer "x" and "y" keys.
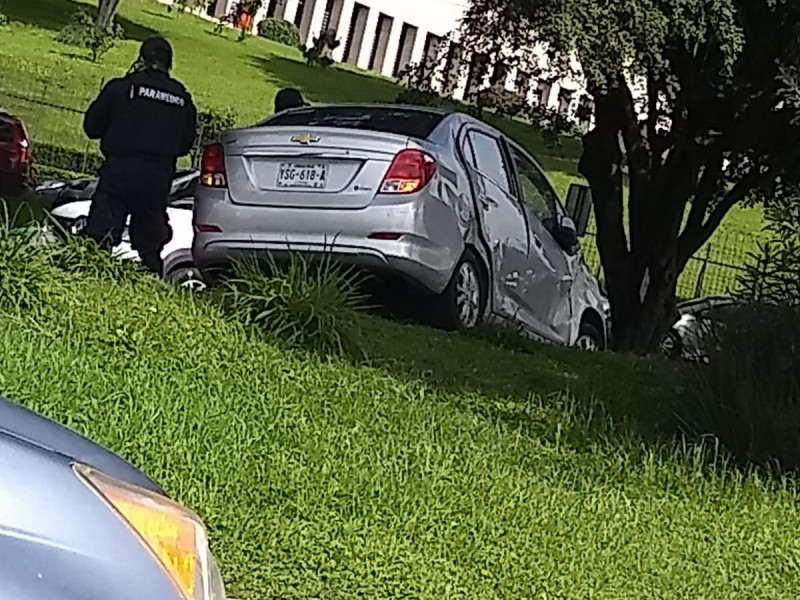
{"x": 303, "y": 303}
{"x": 3, "y": 19}
{"x": 65, "y": 159}
{"x": 45, "y": 172}
{"x": 188, "y": 5}
{"x": 278, "y": 30}
{"x": 772, "y": 273}
{"x": 210, "y": 123}
{"x": 83, "y": 32}
{"x": 748, "y": 395}
{"x": 417, "y": 97}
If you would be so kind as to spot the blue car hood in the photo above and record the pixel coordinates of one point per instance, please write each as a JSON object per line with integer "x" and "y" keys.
{"x": 18, "y": 422}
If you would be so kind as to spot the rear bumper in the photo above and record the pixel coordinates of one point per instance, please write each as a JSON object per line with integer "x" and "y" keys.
{"x": 407, "y": 259}
{"x": 427, "y": 251}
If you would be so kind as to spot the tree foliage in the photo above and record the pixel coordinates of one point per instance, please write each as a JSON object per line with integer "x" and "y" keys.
{"x": 82, "y": 31}
{"x": 715, "y": 121}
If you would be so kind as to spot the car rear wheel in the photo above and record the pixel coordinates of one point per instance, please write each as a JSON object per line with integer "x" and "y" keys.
{"x": 590, "y": 338}
{"x": 672, "y": 345}
{"x": 461, "y": 304}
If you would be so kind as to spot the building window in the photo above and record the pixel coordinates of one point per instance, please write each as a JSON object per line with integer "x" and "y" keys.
{"x": 585, "y": 112}
{"x": 565, "y": 101}
{"x": 499, "y": 76}
{"x": 477, "y": 71}
{"x": 522, "y": 84}
{"x": 543, "y": 94}
{"x": 452, "y": 68}
{"x": 382, "y": 32}
{"x": 408, "y": 36}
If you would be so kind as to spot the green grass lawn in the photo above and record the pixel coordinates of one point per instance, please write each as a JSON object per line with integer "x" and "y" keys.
{"x": 38, "y": 75}
{"x": 440, "y": 466}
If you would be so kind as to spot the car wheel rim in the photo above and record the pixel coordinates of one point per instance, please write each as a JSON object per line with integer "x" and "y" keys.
{"x": 468, "y": 295}
{"x": 588, "y": 343}
{"x": 77, "y": 226}
{"x": 193, "y": 283}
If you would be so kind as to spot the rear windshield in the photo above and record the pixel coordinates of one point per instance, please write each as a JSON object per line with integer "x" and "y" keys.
{"x": 401, "y": 121}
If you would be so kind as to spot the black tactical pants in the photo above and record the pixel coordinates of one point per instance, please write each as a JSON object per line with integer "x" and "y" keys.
{"x": 135, "y": 188}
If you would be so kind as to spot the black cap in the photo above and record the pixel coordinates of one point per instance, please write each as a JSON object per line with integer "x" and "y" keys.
{"x": 289, "y": 98}
{"x": 156, "y": 51}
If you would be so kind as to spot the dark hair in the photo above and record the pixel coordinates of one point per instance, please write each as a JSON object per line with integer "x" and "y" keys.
{"x": 156, "y": 52}
{"x": 289, "y": 98}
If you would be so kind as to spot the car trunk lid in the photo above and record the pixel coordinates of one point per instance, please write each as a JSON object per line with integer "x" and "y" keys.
{"x": 308, "y": 168}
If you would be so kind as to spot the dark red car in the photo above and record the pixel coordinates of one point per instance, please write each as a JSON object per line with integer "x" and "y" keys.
{"x": 15, "y": 151}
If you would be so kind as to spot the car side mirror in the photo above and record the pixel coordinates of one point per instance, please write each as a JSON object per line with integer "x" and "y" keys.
{"x": 562, "y": 228}
{"x": 566, "y": 233}
{"x": 579, "y": 207}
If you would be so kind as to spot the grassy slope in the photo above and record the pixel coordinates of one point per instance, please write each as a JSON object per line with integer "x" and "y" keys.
{"x": 244, "y": 77}
{"x": 442, "y": 468}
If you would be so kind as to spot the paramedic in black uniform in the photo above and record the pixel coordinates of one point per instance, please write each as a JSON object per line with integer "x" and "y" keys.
{"x": 144, "y": 122}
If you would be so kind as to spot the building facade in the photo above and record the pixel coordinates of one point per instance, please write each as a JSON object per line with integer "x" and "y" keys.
{"x": 386, "y": 36}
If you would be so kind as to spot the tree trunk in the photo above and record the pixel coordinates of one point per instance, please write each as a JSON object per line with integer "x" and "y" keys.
{"x": 106, "y": 13}
{"x": 638, "y": 325}
{"x": 640, "y": 280}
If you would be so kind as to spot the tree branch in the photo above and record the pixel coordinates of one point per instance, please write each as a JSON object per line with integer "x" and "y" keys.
{"x": 707, "y": 189}
{"x": 739, "y": 192}
{"x": 652, "y": 115}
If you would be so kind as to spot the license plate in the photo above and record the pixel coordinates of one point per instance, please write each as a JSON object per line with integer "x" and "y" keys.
{"x": 303, "y": 176}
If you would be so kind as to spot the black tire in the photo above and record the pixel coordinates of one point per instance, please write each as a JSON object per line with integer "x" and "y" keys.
{"x": 462, "y": 304}
{"x": 590, "y": 338}
{"x": 187, "y": 277}
{"x": 672, "y": 345}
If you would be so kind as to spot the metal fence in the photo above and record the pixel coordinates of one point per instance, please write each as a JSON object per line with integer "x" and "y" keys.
{"x": 53, "y": 114}
{"x": 714, "y": 270}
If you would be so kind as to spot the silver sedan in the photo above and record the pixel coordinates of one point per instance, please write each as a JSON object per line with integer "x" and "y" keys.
{"x": 77, "y": 522}
{"x": 447, "y": 203}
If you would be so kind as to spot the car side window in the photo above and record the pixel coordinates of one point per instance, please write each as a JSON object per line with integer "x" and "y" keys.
{"x": 534, "y": 189}
{"x": 489, "y": 159}
{"x": 5, "y": 133}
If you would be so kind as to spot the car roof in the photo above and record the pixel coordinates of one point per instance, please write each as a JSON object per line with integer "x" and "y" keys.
{"x": 5, "y": 115}
{"x": 705, "y": 303}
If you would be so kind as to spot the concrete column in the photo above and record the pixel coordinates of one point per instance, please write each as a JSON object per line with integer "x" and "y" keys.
{"x": 260, "y": 15}
{"x": 343, "y": 30}
{"x": 279, "y": 9}
{"x": 307, "y": 21}
{"x": 392, "y": 49}
{"x": 222, "y": 8}
{"x": 369, "y": 38}
{"x": 290, "y": 12}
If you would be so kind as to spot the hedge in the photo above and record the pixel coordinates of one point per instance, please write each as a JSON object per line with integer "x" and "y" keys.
{"x": 283, "y": 32}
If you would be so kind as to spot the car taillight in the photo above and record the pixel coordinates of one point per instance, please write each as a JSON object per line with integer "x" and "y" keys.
{"x": 410, "y": 171}
{"x": 23, "y": 145}
{"x": 212, "y": 167}
{"x": 24, "y": 152}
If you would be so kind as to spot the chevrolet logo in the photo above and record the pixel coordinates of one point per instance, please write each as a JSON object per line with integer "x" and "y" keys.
{"x": 306, "y": 139}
